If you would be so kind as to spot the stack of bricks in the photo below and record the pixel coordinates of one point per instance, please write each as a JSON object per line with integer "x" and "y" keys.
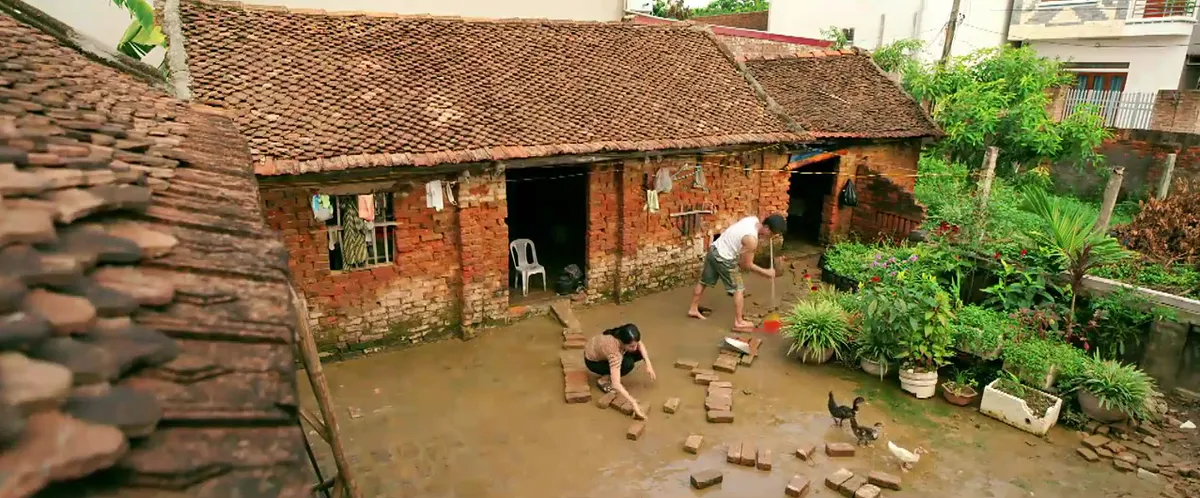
{"x": 718, "y": 404}
{"x": 575, "y": 377}
{"x": 749, "y": 455}
{"x": 618, "y": 403}
{"x": 850, "y": 485}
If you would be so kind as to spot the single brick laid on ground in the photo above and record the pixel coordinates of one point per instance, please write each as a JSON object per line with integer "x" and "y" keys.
{"x": 671, "y": 405}
{"x": 1103, "y": 453}
{"x": 725, "y": 364}
{"x": 721, "y": 384}
{"x": 835, "y": 480}
{"x": 704, "y": 379}
{"x": 851, "y": 486}
{"x": 884, "y": 480}
{"x": 1116, "y": 448}
{"x": 764, "y": 460}
{"x": 806, "y": 452}
{"x": 797, "y": 487}
{"x": 606, "y": 400}
{"x": 622, "y": 405}
{"x": 702, "y": 371}
{"x": 1087, "y": 454}
{"x": 868, "y": 491}
{"x": 645, "y": 411}
{"x": 706, "y": 478}
{"x": 1123, "y": 466}
{"x": 839, "y": 449}
{"x": 718, "y": 403}
{"x": 749, "y": 454}
{"x": 734, "y": 453}
{"x": 717, "y": 417}
{"x": 635, "y": 431}
{"x": 692, "y": 443}
{"x": 686, "y": 364}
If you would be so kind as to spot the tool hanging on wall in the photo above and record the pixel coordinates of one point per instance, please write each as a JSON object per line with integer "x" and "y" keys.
{"x": 689, "y": 221}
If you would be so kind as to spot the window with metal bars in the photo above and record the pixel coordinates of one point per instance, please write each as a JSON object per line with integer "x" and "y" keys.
{"x": 380, "y": 240}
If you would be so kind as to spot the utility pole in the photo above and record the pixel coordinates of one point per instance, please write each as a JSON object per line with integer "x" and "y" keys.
{"x": 950, "y": 28}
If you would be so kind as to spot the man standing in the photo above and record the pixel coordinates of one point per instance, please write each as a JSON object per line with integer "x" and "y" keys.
{"x": 733, "y": 249}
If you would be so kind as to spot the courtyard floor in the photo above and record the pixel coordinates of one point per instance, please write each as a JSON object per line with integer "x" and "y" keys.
{"x": 486, "y": 418}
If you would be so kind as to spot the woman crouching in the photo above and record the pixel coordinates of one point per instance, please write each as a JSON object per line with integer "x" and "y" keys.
{"x": 613, "y": 354}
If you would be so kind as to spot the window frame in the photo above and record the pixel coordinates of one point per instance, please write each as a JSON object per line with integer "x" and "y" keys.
{"x": 381, "y": 253}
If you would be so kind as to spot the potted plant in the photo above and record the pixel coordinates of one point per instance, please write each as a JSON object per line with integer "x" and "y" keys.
{"x": 924, "y": 338}
{"x": 960, "y": 391}
{"x": 818, "y": 329}
{"x": 1023, "y": 407}
{"x": 876, "y": 343}
{"x": 1033, "y": 361}
{"x": 1110, "y": 392}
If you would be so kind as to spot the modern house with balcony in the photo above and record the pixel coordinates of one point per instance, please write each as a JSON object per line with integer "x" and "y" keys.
{"x": 1121, "y": 51}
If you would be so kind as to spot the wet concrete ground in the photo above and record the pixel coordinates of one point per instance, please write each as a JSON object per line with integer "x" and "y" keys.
{"x": 486, "y": 418}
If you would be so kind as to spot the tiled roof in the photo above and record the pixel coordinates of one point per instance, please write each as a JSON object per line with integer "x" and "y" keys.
{"x": 842, "y": 94}
{"x": 317, "y": 92}
{"x": 145, "y": 320}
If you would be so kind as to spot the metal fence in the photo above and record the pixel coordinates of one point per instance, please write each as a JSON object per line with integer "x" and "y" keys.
{"x": 1131, "y": 110}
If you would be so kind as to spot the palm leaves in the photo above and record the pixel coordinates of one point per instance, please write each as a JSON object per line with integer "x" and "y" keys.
{"x": 1070, "y": 233}
{"x": 143, "y": 34}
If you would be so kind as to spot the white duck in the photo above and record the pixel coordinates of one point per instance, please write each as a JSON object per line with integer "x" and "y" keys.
{"x": 907, "y": 458}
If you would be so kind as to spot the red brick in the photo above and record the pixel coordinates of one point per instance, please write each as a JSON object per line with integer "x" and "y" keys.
{"x": 635, "y": 431}
{"x": 606, "y": 400}
{"x": 734, "y": 453}
{"x": 645, "y": 411}
{"x": 868, "y": 491}
{"x": 692, "y": 443}
{"x": 686, "y": 364}
{"x": 577, "y": 397}
{"x": 725, "y": 364}
{"x": 749, "y": 454}
{"x": 884, "y": 480}
{"x": 696, "y": 372}
{"x": 1096, "y": 441}
{"x": 797, "y": 487}
{"x": 835, "y": 480}
{"x": 719, "y": 417}
{"x": 706, "y": 478}
{"x": 806, "y": 452}
{"x": 839, "y": 449}
{"x": 764, "y": 460}
{"x": 718, "y": 403}
{"x": 1087, "y": 454}
{"x": 721, "y": 384}
{"x": 671, "y": 405}
{"x": 705, "y": 379}
{"x": 850, "y": 486}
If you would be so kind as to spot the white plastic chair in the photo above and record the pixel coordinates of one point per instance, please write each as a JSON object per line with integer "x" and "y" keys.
{"x": 517, "y": 249}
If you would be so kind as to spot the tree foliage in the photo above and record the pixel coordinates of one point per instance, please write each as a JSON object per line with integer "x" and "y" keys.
{"x": 997, "y": 97}
{"x": 143, "y": 33}
{"x": 717, "y": 7}
{"x": 836, "y": 36}
{"x": 671, "y": 9}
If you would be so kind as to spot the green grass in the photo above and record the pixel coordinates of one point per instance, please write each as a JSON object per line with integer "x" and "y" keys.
{"x": 903, "y": 407}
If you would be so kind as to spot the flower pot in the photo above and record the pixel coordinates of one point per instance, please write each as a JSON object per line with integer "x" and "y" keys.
{"x": 959, "y": 399}
{"x": 812, "y": 358}
{"x": 1015, "y": 411}
{"x": 1090, "y": 405}
{"x": 873, "y": 368}
{"x": 921, "y": 384}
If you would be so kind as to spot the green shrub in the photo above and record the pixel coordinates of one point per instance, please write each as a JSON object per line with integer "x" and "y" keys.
{"x": 819, "y": 325}
{"x": 981, "y": 331}
{"x": 915, "y": 311}
{"x": 1120, "y": 387}
{"x": 1180, "y": 279}
{"x": 1122, "y": 321}
{"x": 1032, "y": 359}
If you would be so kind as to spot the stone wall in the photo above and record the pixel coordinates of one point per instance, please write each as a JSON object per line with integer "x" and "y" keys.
{"x": 451, "y": 267}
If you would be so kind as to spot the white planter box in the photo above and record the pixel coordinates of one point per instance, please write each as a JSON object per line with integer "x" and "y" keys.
{"x": 1015, "y": 412}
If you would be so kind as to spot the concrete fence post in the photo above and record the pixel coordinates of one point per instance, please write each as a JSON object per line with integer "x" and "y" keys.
{"x": 1164, "y": 183}
{"x": 1110, "y": 198}
{"x": 989, "y": 172}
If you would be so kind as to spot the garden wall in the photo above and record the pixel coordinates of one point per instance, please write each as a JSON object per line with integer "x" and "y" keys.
{"x": 1143, "y": 153}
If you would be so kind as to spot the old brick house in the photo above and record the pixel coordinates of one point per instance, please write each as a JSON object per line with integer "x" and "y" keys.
{"x": 866, "y": 128}
{"x": 544, "y": 130}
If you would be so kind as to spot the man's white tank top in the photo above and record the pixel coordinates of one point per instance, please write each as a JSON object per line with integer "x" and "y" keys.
{"x": 729, "y": 244}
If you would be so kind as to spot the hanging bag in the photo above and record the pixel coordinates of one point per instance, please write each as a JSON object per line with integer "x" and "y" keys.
{"x": 849, "y": 195}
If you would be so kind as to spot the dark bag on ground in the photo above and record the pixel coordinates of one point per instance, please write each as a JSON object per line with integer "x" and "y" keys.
{"x": 849, "y": 195}
{"x": 570, "y": 282}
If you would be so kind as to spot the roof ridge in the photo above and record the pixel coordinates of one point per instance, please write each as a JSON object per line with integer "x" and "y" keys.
{"x": 810, "y": 54}
{"x": 433, "y": 17}
{"x": 759, "y": 91}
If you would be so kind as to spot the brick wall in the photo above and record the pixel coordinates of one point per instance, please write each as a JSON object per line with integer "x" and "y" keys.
{"x": 1143, "y": 154}
{"x": 451, "y": 267}
{"x": 1177, "y": 111}
{"x": 747, "y": 20}
{"x": 884, "y": 181}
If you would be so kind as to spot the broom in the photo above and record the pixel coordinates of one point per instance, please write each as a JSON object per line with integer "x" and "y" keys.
{"x": 771, "y": 323}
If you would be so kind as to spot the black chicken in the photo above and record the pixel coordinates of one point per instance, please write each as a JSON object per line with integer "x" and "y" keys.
{"x": 841, "y": 413}
{"x": 865, "y": 434}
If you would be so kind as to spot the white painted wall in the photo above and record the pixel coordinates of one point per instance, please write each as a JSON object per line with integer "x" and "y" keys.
{"x": 1152, "y": 66}
{"x": 982, "y": 26}
{"x": 99, "y": 19}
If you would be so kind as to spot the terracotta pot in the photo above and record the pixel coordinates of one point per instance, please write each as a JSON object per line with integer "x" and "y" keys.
{"x": 921, "y": 384}
{"x": 1090, "y": 405}
{"x": 957, "y": 399}
{"x": 873, "y": 368}
{"x": 812, "y": 358}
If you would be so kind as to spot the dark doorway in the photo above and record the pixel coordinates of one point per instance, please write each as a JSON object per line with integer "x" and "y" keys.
{"x": 808, "y": 194}
{"x": 548, "y": 206}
